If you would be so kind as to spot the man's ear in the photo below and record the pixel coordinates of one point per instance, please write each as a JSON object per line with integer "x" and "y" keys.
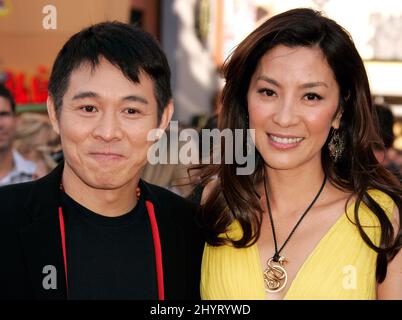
{"x": 166, "y": 115}
{"x": 51, "y": 110}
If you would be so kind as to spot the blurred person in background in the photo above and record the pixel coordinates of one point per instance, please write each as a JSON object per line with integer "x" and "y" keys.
{"x": 14, "y": 168}
{"x": 36, "y": 141}
{"x": 169, "y": 175}
{"x": 385, "y": 153}
{"x": 210, "y": 123}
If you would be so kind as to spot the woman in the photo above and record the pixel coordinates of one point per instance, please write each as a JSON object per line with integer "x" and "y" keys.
{"x": 319, "y": 217}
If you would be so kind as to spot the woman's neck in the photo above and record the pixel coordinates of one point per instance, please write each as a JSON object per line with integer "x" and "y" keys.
{"x": 292, "y": 189}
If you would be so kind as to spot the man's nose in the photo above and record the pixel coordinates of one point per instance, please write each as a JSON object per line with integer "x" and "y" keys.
{"x": 108, "y": 128}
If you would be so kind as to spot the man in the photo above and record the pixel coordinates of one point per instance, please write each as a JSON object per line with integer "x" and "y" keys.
{"x": 13, "y": 167}
{"x": 92, "y": 229}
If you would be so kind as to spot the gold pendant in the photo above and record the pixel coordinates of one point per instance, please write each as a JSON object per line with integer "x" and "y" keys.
{"x": 275, "y": 276}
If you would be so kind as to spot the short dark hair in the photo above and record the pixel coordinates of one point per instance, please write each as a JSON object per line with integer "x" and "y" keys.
{"x": 127, "y": 47}
{"x": 5, "y": 93}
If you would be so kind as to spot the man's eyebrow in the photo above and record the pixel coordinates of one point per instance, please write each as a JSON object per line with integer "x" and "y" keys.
{"x": 91, "y": 94}
{"x": 85, "y": 94}
{"x": 135, "y": 98}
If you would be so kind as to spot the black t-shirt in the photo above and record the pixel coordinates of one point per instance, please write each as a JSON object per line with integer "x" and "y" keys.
{"x": 109, "y": 257}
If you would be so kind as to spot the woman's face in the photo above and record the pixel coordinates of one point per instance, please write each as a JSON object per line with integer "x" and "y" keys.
{"x": 292, "y": 103}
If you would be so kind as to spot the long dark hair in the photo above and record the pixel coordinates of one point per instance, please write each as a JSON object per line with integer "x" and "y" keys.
{"x": 234, "y": 197}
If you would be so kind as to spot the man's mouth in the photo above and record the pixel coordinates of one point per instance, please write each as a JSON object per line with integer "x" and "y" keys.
{"x": 106, "y": 156}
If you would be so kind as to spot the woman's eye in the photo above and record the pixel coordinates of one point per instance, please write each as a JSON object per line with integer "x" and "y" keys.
{"x": 312, "y": 96}
{"x": 88, "y": 109}
{"x": 267, "y": 92}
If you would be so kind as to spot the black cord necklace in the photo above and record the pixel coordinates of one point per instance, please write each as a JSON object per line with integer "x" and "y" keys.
{"x": 275, "y": 275}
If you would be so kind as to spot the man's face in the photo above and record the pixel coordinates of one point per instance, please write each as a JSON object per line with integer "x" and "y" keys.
{"x": 8, "y": 125}
{"x": 103, "y": 124}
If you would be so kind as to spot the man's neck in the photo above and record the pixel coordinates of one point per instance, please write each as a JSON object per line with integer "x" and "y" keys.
{"x": 6, "y": 162}
{"x": 106, "y": 202}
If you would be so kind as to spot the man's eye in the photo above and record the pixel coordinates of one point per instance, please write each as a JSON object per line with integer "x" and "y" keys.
{"x": 88, "y": 109}
{"x": 131, "y": 111}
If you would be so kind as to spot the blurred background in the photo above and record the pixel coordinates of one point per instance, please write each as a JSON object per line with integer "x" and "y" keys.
{"x": 197, "y": 36}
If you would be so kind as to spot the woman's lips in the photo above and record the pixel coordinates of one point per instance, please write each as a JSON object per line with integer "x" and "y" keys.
{"x": 284, "y": 142}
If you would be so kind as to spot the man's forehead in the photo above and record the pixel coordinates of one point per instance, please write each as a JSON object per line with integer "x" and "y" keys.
{"x": 89, "y": 66}
{"x": 88, "y": 71}
{"x": 106, "y": 81}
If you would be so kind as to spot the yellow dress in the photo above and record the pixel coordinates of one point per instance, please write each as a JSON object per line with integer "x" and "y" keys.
{"x": 341, "y": 266}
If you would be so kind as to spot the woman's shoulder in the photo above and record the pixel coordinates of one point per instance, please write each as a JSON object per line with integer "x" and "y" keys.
{"x": 365, "y": 213}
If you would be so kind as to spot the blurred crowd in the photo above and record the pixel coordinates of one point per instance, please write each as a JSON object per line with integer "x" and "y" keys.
{"x": 28, "y": 144}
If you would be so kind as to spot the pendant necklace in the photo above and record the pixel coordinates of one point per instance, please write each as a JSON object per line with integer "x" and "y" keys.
{"x": 275, "y": 275}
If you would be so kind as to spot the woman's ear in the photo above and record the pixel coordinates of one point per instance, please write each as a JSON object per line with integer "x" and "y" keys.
{"x": 336, "y": 120}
